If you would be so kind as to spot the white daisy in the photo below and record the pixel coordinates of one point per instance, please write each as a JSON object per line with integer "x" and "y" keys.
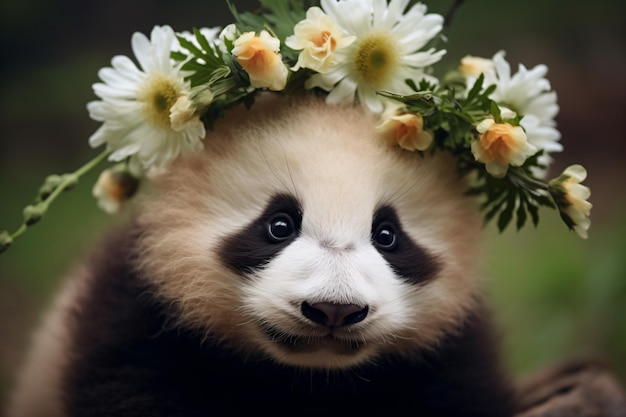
{"x": 135, "y": 104}
{"x": 386, "y": 51}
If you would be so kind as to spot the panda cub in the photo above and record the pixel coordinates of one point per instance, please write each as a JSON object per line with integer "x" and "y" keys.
{"x": 299, "y": 263}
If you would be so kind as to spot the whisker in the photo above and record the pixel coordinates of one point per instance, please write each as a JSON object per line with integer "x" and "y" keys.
{"x": 407, "y": 185}
{"x": 293, "y": 187}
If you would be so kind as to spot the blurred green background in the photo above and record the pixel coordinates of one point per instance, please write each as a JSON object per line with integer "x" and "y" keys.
{"x": 555, "y": 296}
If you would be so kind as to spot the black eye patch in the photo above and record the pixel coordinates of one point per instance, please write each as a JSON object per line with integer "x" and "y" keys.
{"x": 408, "y": 259}
{"x": 263, "y": 238}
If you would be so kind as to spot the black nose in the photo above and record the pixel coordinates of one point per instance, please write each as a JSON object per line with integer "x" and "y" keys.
{"x": 334, "y": 315}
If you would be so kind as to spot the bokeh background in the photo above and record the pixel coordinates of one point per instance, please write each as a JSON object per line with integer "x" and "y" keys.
{"x": 555, "y": 296}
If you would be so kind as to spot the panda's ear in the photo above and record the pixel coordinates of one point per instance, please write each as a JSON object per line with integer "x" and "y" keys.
{"x": 264, "y": 237}
{"x": 408, "y": 259}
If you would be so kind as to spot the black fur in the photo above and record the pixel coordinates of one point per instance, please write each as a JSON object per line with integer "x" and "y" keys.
{"x": 252, "y": 247}
{"x": 126, "y": 363}
{"x": 408, "y": 259}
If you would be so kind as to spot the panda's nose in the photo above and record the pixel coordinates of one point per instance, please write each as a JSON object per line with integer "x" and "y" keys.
{"x": 334, "y": 315}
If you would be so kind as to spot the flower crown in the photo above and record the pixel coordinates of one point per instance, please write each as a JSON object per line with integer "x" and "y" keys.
{"x": 379, "y": 53}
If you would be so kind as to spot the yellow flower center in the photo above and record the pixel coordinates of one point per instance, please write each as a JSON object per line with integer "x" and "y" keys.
{"x": 376, "y": 58}
{"x": 158, "y": 93}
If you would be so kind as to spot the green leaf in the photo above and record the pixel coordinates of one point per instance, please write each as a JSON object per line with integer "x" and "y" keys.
{"x": 202, "y": 40}
{"x": 494, "y": 109}
{"x": 411, "y": 84}
{"x": 534, "y": 213}
{"x": 219, "y": 73}
{"x": 178, "y": 56}
{"x": 544, "y": 200}
{"x": 507, "y": 214}
{"x": 200, "y": 79}
{"x": 194, "y": 66}
{"x": 521, "y": 212}
{"x": 489, "y": 90}
{"x": 475, "y": 90}
{"x": 496, "y": 206}
{"x": 188, "y": 45}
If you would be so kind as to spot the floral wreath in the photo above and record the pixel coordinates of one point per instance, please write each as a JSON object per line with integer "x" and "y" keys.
{"x": 379, "y": 53}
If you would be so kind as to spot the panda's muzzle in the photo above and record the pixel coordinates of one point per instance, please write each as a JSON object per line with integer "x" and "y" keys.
{"x": 329, "y": 326}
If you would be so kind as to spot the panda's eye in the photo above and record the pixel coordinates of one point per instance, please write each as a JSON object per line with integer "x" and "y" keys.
{"x": 280, "y": 228}
{"x": 384, "y": 236}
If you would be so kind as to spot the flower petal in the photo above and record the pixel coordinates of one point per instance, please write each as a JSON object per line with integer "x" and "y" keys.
{"x": 577, "y": 172}
{"x": 343, "y": 92}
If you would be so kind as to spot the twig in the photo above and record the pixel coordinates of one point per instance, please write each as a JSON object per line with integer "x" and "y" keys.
{"x": 451, "y": 12}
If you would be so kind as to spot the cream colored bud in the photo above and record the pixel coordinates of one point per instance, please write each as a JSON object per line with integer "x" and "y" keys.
{"x": 33, "y": 213}
{"x": 181, "y": 113}
{"x": 5, "y": 241}
{"x": 406, "y": 130}
{"x": 114, "y": 187}
{"x": 473, "y": 66}
{"x": 259, "y": 57}
{"x": 571, "y": 197}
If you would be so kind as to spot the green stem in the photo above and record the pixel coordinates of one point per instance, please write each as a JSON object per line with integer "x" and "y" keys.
{"x": 520, "y": 178}
{"x": 92, "y": 164}
{"x": 67, "y": 181}
{"x": 19, "y": 231}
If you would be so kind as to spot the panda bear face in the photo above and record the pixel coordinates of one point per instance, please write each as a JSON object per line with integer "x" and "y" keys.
{"x": 300, "y": 235}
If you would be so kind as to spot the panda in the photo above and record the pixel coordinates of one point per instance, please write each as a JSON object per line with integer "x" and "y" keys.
{"x": 299, "y": 264}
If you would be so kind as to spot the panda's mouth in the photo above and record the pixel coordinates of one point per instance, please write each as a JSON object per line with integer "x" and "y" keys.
{"x": 303, "y": 344}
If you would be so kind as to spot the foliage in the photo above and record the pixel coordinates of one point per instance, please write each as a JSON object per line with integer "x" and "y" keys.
{"x": 452, "y": 116}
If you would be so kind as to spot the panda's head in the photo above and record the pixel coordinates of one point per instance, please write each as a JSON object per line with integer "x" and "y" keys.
{"x": 300, "y": 235}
